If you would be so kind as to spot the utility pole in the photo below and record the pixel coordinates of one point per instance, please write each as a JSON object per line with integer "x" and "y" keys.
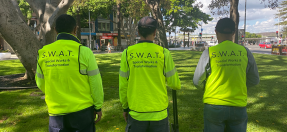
{"x": 244, "y": 25}
{"x": 188, "y": 40}
{"x": 201, "y": 34}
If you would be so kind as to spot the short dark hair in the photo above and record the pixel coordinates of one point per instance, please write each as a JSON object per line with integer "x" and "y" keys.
{"x": 225, "y": 26}
{"x": 65, "y": 23}
{"x": 146, "y": 26}
{"x": 146, "y": 31}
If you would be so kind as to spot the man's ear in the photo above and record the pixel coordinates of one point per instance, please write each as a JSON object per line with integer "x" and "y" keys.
{"x": 154, "y": 32}
{"x": 75, "y": 30}
{"x": 56, "y": 30}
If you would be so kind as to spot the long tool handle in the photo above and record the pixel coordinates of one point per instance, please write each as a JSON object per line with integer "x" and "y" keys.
{"x": 175, "y": 126}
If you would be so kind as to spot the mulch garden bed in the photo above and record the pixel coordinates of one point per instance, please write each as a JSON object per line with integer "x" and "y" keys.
{"x": 16, "y": 80}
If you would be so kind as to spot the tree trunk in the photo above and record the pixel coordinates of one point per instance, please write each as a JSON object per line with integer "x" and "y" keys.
{"x": 184, "y": 39}
{"x": 78, "y": 24}
{"x": 156, "y": 12}
{"x": 123, "y": 28}
{"x": 234, "y": 15}
{"x": 119, "y": 24}
{"x": 188, "y": 40}
{"x": 19, "y": 36}
{"x": 15, "y": 3}
{"x": 1, "y": 43}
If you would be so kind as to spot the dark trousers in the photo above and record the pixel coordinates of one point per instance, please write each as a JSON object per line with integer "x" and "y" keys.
{"x": 147, "y": 126}
{"x": 219, "y": 118}
{"x": 81, "y": 121}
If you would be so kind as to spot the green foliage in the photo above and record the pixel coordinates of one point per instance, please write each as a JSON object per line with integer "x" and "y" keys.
{"x": 96, "y": 7}
{"x": 282, "y": 13}
{"x": 134, "y": 8}
{"x": 183, "y": 13}
{"x": 25, "y": 8}
{"x": 252, "y": 35}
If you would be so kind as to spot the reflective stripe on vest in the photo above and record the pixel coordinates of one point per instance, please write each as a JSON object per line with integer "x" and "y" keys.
{"x": 226, "y": 84}
{"x": 146, "y": 85}
{"x": 66, "y": 87}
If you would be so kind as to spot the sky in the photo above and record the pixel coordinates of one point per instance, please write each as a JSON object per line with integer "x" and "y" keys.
{"x": 258, "y": 17}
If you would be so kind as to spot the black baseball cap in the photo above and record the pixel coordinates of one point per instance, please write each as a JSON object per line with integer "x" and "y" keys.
{"x": 147, "y": 22}
{"x": 225, "y": 26}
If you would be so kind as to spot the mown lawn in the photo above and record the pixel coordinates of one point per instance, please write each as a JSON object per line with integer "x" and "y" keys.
{"x": 24, "y": 110}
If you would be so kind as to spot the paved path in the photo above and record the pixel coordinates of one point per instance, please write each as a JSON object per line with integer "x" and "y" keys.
{"x": 252, "y": 48}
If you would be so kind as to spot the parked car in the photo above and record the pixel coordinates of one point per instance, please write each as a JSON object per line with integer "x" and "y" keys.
{"x": 211, "y": 43}
{"x": 265, "y": 45}
{"x": 173, "y": 45}
{"x": 201, "y": 43}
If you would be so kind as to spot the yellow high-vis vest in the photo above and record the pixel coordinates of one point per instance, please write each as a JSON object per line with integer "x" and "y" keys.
{"x": 147, "y": 87}
{"x": 226, "y": 84}
{"x": 66, "y": 89}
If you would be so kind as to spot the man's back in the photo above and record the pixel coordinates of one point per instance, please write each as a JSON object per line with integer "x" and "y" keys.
{"x": 226, "y": 84}
{"x": 225, "y": 71}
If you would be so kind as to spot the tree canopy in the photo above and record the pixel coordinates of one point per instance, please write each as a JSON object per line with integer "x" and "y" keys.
{"x": 252, "y": 35}
{"x": 184, "y": 14}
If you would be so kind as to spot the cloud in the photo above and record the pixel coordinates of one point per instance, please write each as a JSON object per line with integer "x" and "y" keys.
{"x": 264, "y": 26}
{"x": 258, "y": 18}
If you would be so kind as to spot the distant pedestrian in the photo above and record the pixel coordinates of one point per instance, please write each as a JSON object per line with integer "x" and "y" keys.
{"x": 225, "y": 71}
{"x": 109, "y": 47}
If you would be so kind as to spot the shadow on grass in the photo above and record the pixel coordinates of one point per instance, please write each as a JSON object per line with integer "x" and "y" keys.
{"x": 9, "y": 67}
{"x": 266, "y": 102}
{"x": 23, "y": 111}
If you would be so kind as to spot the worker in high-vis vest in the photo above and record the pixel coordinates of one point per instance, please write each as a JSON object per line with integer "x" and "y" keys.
{"x": 68, "y": 74}
{"x": 144, "y": 70}
{"x": 225, "y": 71}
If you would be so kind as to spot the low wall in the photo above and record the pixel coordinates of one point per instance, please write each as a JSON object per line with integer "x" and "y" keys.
{"x": 5, "y": 56}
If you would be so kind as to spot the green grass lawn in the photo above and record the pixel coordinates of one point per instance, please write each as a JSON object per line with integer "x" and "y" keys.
{"x": 24, "y": 110}
{"x": 10, "y": 67}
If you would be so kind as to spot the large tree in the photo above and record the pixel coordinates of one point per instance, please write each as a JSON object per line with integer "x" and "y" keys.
{"x": 185, "y": 14}
{"x": 155, "y": 8}
{"x": 219, "y": 7}
{"x": 21, "y": 38}
{"x": 282, "y": 15}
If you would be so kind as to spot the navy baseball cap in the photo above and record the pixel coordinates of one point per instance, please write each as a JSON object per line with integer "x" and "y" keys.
{"x": 225, "y": 26}
{"x": 147, "y": 22}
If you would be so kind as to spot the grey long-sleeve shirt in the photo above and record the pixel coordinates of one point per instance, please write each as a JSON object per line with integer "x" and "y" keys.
{"x": 203, "y": 70}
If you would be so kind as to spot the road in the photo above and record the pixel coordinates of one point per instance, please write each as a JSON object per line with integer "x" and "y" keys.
{"x": 256, "y": 49}
{"x": 252, "y": 48}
